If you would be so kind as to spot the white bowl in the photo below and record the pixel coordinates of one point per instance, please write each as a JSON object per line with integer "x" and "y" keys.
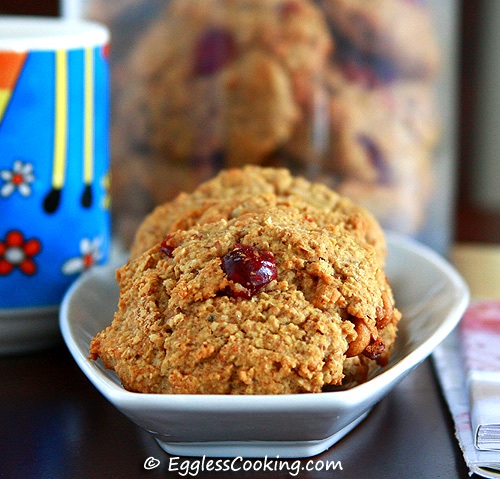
{"x": 429, "y": 292}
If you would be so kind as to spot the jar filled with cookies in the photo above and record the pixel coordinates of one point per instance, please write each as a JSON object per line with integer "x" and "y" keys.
{"x": 356, "y": 94}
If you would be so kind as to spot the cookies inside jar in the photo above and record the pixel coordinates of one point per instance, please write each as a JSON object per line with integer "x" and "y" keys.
{"x": 339, "y": 91}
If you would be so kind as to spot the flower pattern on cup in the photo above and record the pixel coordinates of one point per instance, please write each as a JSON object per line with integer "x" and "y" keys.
{"x": 18, "y": 252}
{"x": 19, "y": 178}
{"x": 90, "y": 255}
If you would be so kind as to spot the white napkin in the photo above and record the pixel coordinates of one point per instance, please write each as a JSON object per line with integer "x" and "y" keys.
{"x": 484, "y": 391}
{"x": 480, "y": 337}
{"x": 468, "y": 368}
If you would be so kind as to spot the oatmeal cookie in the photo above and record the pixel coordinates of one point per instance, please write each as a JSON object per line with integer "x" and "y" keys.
{"x": 268, "y": 302}
{"x": 220, "y": 77}
{"x": 396, "y": 35}
{"x": 229, "y": 188}
{"x": 384, "y": 135}
{"x": 356, "y": 97}
{"x": 383, "y": 138}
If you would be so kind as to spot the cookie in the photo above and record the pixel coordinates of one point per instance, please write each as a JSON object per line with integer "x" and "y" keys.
{"x": 393, "y": 37}
{"x": 358, "y": 368}
{"x": 409, "y": 103}
{"x": 268, "y": 302}
{"x": 383, "y": 140}
{"x": 399, "y": 207}
{"x": 253, "y": 183}
{"x": 223, "y": 79}
{"x": 378, "y": 136}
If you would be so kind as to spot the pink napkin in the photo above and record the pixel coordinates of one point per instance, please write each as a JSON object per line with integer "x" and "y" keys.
{"x": 480, "y": 336}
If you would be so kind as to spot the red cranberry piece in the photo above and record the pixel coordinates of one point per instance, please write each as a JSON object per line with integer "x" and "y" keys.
{"x": 376, "y": 157}
{"x": 361, "y": 73}
{"x": 289, "y": 9}
{"x": 249, "y": 267}
{"x": 385, "y": 72}
{"x": 166, "y": 247}
{"x": 214, "y": 49}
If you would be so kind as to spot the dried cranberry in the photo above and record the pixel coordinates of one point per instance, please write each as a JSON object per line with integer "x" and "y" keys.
{"x": 289, "y": 9}
{"x": 366, "y": 69}
{"x": 375, "y": 157}
{"x": 166, "y": 247}
{"x": 214, "y": 49}
{"x": 384, "y": 70}
{"x": 249, "y": 267}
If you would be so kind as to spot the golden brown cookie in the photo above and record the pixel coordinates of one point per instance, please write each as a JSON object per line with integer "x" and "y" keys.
{"x": 230, "y": 187}
{"x": 223, "y": 78}
{"x": 268, "y": 302}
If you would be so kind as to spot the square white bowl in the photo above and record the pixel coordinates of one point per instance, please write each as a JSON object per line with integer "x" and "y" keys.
{"x": 428, "y": 291}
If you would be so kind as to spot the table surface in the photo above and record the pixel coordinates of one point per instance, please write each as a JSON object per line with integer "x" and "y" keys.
{"x": 54, "y": 424}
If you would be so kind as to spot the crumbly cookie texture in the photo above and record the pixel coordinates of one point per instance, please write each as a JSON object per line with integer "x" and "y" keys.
{"x": 240, "y": 190}
{"x": 273, "y": 300}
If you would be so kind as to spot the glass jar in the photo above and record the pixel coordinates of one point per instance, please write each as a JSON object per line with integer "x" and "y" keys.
{"x": 358, "y": 94}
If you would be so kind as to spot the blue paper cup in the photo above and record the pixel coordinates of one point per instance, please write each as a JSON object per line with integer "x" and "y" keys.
{"x": 54, "y": 169}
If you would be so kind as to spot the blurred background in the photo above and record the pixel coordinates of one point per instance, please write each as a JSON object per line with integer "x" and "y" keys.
{"x": 477, "y": 196}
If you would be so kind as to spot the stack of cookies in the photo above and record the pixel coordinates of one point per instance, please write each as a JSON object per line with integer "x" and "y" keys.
{"x": 336, "y": 90}
{"x": 258, "y": 282}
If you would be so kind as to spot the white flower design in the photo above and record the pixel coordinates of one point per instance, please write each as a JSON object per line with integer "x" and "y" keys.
{"x": 90, "y": 254}
{"x": 18, "y": 178}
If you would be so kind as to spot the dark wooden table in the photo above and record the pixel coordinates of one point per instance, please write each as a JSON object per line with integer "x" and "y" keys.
{"x": 54, "y": 424}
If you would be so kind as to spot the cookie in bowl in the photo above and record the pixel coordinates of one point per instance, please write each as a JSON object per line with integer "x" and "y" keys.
{"x": 278, "y": 297}
{"x": 240, "y": 190}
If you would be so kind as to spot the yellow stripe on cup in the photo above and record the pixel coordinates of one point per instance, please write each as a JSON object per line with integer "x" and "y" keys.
{"x": 88, "y": 165}
{"x": 61, "y": 120}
